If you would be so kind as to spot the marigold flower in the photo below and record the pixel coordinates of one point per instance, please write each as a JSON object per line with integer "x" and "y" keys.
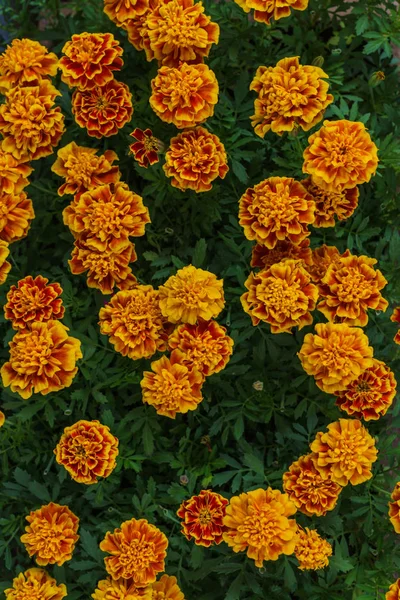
{"x": 397, "y": 337}
{"x": 184, "y": 96}
{"x": 276, "y": 209}
{"x": 191, "y": 294}
{"x": 346, "y": 453}
{"x": 258, "y": 521}
{"x": 121, "y": 589}
{"x": 35, "y": 583}
{"x": 121, "y": 11}
{"x": 308, "y": 490}
{"x": 16, "y": 214}
{"x": 263, "y": 257}
{"x": 32, "y": 300}
{"x": 202, "y": 518}
{"x": 330, "y": 204}
{"x": 265, "y": 10}
{"x": 311, "y": 550}
{"x": 145, "y": 150}
{"x": 137, "y": 549}
{"x": 2, "y": 418}
{"x": 194, "y": 159}
{"x": 51, "y": 534}
{"x": 42, "y": 359}
{"x": 371, "y": 395}
{"x": 290, "y": 95}
{"x": 395, "y": 317}
{"x": 321, "y": 260}
{"x": 204, "y": 346}
{"x": 90, "y": 59}
{"x": 13, "y": 173}
{"x": 394, "y": 591}
{"x": 25, "y": 62}
{"x": 5, "y": 266}
{"x": 281, "y": 295}
{"x": 340, "y": 155}
{"x": 394, "y": 508}
{"x": 335, "y": 355}
{"x": 166, "y": 588}
{"x": 103, "y": 110}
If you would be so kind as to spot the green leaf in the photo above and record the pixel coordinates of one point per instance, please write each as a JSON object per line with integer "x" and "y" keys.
{"x": 199, "y": 253}
{"x": 39, "y": 491}
{"x": 239, "y": 171}
{"x": 235, "y": 588}
{"x": 90, "y": 545}
{"x": 362, "y": 24}
{"x": 22, "y": 477}
{"x": 148, "y": 440}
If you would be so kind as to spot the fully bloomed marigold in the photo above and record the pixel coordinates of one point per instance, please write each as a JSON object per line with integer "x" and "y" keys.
{"x": 146, "y": 148}
{"x": 5, "y": 266}
{"x": 335, "y": 355}
{"x": 202, "y": 518}
{"x": 340, "y": 155}
{"x": 42, "y": 359}
{"x": 330, "y": 204}
{"x": 394, "y": 508}
{"x": 276, "y": 209}
{"x": 194, "y": 159}
{"x": 395, "y": 317}
{"x": 346, "y": 453}
{"x": 121, "y": 11}
{"x": 394, "y": 591}
{"x": 26, "y": 62}
{"x": 166, "y": 588}
{"x": 264, "y": 257}
{"x": 371, "y": 395}
{"x": 321, "y": 260}
{"x": 265, "y": 10}
{"x": 290, "y": 95}
{"x": 121, "y": 589}
{"x": 16, "y": 214}
{"x": 259, "y": 522}
{"x": 13, "y": 173}
{"x": 312, "y": 551}
{"x": 32, "y": 300}
{"x": 51, "y": 534}
{"x": 35, "y": 584}
{"x": 281, "y": 295}
{"x": 184, "y": 96}
{"x": 137, "y": 550}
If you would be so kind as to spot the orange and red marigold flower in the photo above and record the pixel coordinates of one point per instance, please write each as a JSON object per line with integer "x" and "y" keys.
{"x": 311, "y": 550}
{"x": 32, "y": 300}
{"x": 394, "y": 591}
{"x": 263, "y": 257}
{"x": 35, "y": 583}
{"x": 321, "y": 260}
{"x": 5, "y": 266}
{"x": 265, "y": 10}
{"x": 395, "y": 317}
{"x": 394, "y": 508}
{"x": 16, "y": 215}
{"x": 25, "y": 62}
{"x": 330, "y": 204}
{"x": 147, "y": 147}
{"x": 13, "y": 173}
{"x": 202, "y": 518}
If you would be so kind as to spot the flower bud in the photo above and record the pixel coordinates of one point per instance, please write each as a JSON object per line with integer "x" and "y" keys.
{"x": 318, "y": 61}
{"x": 258, "y": 386}
{"x": 376, "y": 78}
{"x": 184, "y": 479}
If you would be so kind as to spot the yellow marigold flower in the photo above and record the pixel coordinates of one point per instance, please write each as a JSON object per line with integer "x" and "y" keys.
{"x": 265, "y": 10}
{"x": 184, "y": 96}
{"x": 258, "y": 521}
{"x": 194, "y": 159}
{"x": 276, "y": 209}
{"x": 321, "y": 260}
{"x": 335, "y": 355}
{"x": 290, "y": 95}
{"x": 51, "y": 534}
{"x": 281, "y": 295}
{"x": 137, "y": 549}
{"x": 5, "y": 266}
{"x": 263, "y": 257}
{"x": 308, "y": 490}
{"x": 16, "y": 214}
{"x": 394, "y": 508}
{"x": 191, "y": 294}
{"x": 340, "y": 155}
{"x": 202, "y": 518}
{"x": 42, "y": 360}
{"x": 25, "y": 62}
{"x": 13, "y": 173}
{"x": 346, "y": 453}
{"x": 121, "y": 589}
{"x": 330, "y": 204}
{"x": 394, "y": 591}
{"x": 35, "y": 584}
{"x": 166, "y": 588}
{"x": 121, "y": 11}
{"x": 32, "y": 300}
{"x": 2, "y": 418}
{"x": 311, "y": 550}
{"x": 133, "y": 321}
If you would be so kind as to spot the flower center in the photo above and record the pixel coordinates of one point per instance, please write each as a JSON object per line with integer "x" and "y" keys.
{"x": 137, "y": 555}
{"x": 363, "y": 386}
{"x": 261, "y": 528}
{"x": 205, "y": 516}
{"x": 101, "y": 103}
{"x": 281, "y": 296}
{"x": 80, "y": 169}
{"x": 32, "y": 353}
{"x": 178, "y": 28}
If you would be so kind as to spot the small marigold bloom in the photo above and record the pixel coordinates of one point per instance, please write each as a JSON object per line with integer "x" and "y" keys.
{"x": 26, "y": 62}
{"x": 276, "y": 209}
{"x": 16, "y": 214}
{"x": 204, "y": 346}
{"x": 308, "y": 490}
{"x": 2, "y": 418}
{"x": 184, "y": 96}
{"x": 281, "y": 295}
{"x": 133, "y": 321}
{"x": 121, "y": 589}
{"x": 166, "y": 588}
{"x": 5, "y": 266}
{"x": 397, "y": 337}
{"x": 263, "y": 258}
{"x": 394, "y": 591}
{"x": 265, "y": 10}
{"x": 145, "y": 150}
{"x": 370, "y": 396}
{"x": 32, "y": 300}
{"x": 191, "y": 294}
{"x": 311, "y": 550}
{"x": 335, "y": 355}
{"x": 13, "y": 173}
{"x": 194, "y": 159}
{"x": 103, "y": 110}
{"x": 83, "y": 170}
{"x": 394, "y": 508}
{"x": 340, "y": 155}
{"x": 321, "y": 260}
{"x": 121, "y": 11}
{"x": 137, "y": 549}
{"x": 202, "y": 518}
{"x": 328, "y": 205}
{"x": 35, "y": 584}
{"x": 346, "y": 453}
{"x": 258, "y": 521}
{"x": 42, "y": 360}
{"x": 290, "y": 95}
{"x": 90, "y": 59}
{"x": 51, "y": 534}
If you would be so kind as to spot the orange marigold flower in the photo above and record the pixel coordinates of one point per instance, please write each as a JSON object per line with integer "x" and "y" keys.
{"x": 340, "y": 155}
{"x": 258, "y": 521}
{"x": 371, "y": 395}
{"x": 281, "y": 295}
{"x": 308, "y": 490}
{"x": 103, "y": 110}
{"x": 262, "y": 257}
{"x": 5, "y": 266}
{"x": 87, "y": 450}
{"x": 202, "y": 518}
{"x": 13, "y": 173}
{"x": 290, "y": 95}
{"x": 121, "y": 11}
{"x": 276, "y": 209}
{"x": 145, "y": 150}
{"x": 397, "y": 337}
{"x": 137, "y": 549}
{"x": 2, "y": 418}
{"x": 395, "y": 317}
{"x": 394, "y": 591}
{"x": 346, "y": 453}
{"x": 133, "y": 321}
{"x": 29, "y": 122}
{"x": 33, "y": 300}
{"x": 321, "y": 260}
{"x": 16, "y": 214}
{"x": 35, "y": 583}
{"x": 26, "y": 62}
{"x": 184, "y": 96}
{"x": 51, "y": 534}
{"x": 311, "y": 550}
{"x": 204, "y": 346}
{"x": 83, "y": 170}
{"x": 194, "y": 159}
{"x": 191, "y": 294}
{"x": 394, "y": 508}
{"x": 166, "y": 588}
{"x": 335, "y": 355}
{"x": 330, "y": 204}
{"x": 265, "y": 10}
{"x": 42, "y": 360}
{"x": 90, "y": 59}
{"x": 121, "y": 589}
